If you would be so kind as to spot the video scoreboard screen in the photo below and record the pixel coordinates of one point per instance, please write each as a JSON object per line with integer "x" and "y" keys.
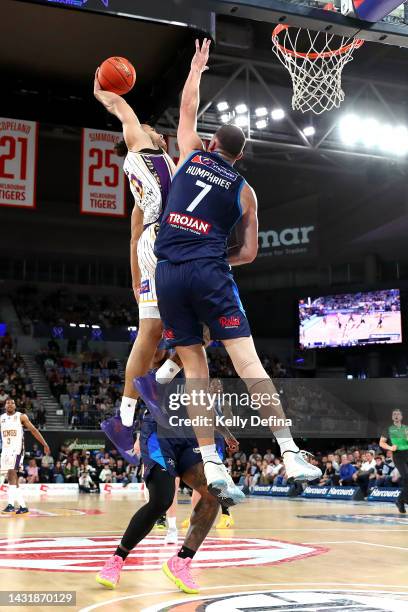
{"x": 350, "y": 319}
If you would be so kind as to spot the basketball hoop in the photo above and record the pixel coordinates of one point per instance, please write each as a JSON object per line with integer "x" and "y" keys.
{"x": 315, "y": 61}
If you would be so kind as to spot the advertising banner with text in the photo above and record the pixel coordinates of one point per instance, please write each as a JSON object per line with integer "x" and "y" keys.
{"x": 18, "y": 162}
{"x": 102, "y": 177}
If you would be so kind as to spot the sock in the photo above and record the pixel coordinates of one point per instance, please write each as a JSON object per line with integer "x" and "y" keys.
{"x": 225, "y": 510}
{"x": 12, "y": 494}
{"x": 18, "y": 496}
{"x": 186, "y": 553}
{"x": 127, "y": 410}
{"x": 167, "y": 372}
{"x": 121, "y": 553}
{"x": 171, "y": 521}
{"x": 285, "y": 440}
{"x": 209, "y": 453}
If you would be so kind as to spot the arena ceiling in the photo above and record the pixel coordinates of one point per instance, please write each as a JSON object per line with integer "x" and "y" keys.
{"x": 48, "y": 56}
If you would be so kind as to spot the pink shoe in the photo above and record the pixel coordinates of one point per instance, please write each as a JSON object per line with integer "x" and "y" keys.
{"x": 110, "y": 573}
{"x": 179, "y": 571}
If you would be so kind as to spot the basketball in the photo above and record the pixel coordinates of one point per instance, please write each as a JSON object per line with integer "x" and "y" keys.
{"x": 116, "y": 74}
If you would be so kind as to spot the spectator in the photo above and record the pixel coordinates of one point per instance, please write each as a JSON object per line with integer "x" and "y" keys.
{"x": 367, "y": 472}
{"x": 255, "y": 456}
{"x": 269, "y": 456}
{"x": 58, "y": 473}
{"x": 238, "y": 471}
{"x": 266, "y": 475}
{"x": 329, "y": 475}
{"x": 32, "y": 472}
{"x": 106, "y": 474}
{"x": 346, "y": 471}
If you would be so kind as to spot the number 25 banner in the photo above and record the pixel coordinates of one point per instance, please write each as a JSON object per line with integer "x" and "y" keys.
{"x": 18, "y": 162}
{"x": 102, "y": 177}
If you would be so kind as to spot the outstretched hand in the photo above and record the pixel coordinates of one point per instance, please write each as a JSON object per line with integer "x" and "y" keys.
{"x": 200, "y": 59}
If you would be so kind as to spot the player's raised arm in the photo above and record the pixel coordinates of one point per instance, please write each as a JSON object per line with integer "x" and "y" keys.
{"x": 37, "y": 435}
{"x": 187, "y": 137}
{"x": 247, "y": 249}
{"x": 133, "y": 133}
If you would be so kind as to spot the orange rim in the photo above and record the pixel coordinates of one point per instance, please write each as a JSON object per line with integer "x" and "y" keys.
{"x": 356, "y": 44}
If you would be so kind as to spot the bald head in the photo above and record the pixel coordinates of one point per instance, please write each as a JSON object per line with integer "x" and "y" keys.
{"x": 230, "y": 140}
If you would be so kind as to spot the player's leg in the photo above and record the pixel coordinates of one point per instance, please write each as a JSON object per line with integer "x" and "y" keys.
{"x": 250, "y": 369}
{"x": 138, "y": 363}
{"x": 11, "y": 493}
{"x": 195, "y": 498}
{"x": 178, "y": 568}
{"x": 161, "y": 493}
{"x": 219, "y": 305}
{"x": 401, "y": 463}
{"x": 176, "y": 284}
{"x": 172, "y": 533}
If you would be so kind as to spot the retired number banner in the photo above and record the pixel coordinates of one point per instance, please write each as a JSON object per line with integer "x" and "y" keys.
{"x": 102, "y": 177}
{"x": 18, "y": 162}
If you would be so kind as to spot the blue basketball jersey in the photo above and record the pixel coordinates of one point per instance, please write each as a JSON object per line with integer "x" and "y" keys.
{"x": 202, "y": 208}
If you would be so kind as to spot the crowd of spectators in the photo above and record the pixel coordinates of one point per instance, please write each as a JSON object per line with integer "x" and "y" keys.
{"x": 363, "y": 468}
{"x": 15, "y": 383}
{"x": 88, "y": 468}
{"x": 88, "y": 387}
{"x": 62, "y": 307}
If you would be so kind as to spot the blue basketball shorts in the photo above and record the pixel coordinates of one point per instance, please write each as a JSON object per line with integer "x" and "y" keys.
{"x": 175, "y": 455}
{"x": 196, "y": 292}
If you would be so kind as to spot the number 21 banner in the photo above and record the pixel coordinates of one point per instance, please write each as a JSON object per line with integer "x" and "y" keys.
{"x": 18, "y": 162}
{"x": 102, "y": 177}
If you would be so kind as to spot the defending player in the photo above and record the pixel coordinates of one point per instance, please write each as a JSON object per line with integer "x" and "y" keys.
{"x": 395, "y": 439}
{"x": 12, "y": 452}
{"x": 149, "y": 170}
{"x": 193, "y": 279}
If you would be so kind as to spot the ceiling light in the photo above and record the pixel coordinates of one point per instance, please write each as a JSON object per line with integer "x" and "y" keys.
{"x": 241, "y": 121}
{"x": 261, "y": 124}
{"x": 277, "y": 114}
{"x": 261, "y": 111}
{"x": 222, "y": 106}
{"x": 309, "y": 130}
{"x": 241, "y": 108}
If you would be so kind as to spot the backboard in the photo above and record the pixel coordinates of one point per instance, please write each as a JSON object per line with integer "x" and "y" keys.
{"x": 352, "y": 18}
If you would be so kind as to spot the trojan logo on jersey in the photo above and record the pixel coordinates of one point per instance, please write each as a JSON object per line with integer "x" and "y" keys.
{"x": 358, "y": 601}
{"x": 211, "y": 163}
{"x": 86, "y": 554}
{"x": 185, "y": 222}
{"x": 230, "y": 322}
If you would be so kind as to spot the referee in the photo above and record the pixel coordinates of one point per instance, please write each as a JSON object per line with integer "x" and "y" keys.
{"x": 396, "y": 440}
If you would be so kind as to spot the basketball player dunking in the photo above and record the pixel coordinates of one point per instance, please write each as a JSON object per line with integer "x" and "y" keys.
{"x": 194, "y": 284}
{"x": 149, "y": 170}
{"x": 12, "y": 452}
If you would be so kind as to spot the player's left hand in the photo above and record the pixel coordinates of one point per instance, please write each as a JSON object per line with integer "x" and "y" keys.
{"x": 232, "y": 444}
{"x": 200, "y": 59}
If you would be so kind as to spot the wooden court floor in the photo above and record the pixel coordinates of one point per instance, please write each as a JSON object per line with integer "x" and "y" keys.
{"x": 284, "y": 554}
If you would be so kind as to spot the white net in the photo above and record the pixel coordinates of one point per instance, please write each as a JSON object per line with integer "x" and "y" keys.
{"x": 315, "y": 61}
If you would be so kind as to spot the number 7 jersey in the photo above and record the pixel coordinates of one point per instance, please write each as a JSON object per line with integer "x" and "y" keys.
{"x": 202, "y": 208}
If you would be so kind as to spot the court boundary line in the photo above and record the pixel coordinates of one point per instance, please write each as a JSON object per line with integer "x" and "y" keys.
{"x": 229, "y": 531}
{"x": 263, "y": 584}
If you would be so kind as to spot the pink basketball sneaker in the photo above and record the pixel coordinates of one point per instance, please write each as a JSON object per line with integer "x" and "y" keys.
{"x": 109, "y": 575}
{"x": 179, "y": 571}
